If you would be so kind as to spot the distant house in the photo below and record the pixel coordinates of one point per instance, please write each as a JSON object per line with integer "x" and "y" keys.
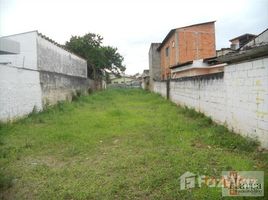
{"x": 254, "y": 48}
{"x": 241, "y": 40}
{"x": 180, "y": 47}
{"x": 259, "y": 40}
{"x": 122, "y": 80}
{"x": 186, "y": 44}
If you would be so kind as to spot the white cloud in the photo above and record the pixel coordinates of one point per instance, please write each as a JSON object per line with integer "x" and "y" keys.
{"x": 131, "y": 25}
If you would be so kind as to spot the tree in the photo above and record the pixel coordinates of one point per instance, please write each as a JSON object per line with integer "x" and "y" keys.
{"x": 99, "y": 58}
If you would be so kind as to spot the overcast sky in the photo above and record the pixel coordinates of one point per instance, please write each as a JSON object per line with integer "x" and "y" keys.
{"x": 131, "y": 25}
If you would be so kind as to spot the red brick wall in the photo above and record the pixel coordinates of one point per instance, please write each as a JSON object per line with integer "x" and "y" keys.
{"x": 194, "y": 42}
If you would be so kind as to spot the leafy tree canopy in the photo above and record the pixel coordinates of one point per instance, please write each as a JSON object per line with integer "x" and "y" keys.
{"x": 99, "y": 57}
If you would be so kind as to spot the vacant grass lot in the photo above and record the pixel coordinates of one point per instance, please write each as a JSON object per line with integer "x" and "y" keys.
{"x": 118, "y": 144}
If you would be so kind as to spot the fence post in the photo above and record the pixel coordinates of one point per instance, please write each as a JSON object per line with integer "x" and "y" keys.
{"x": 168, "y": 87}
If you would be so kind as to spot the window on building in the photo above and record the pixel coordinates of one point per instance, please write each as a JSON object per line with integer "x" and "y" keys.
{"x": 167, "y": 51}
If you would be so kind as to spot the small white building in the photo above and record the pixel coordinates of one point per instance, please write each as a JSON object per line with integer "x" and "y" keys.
{"x": 122, "y": 80}
{"x": 35, "y": 71}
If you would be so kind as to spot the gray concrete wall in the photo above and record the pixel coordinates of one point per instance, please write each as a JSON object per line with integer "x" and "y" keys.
{"x": 52, "y": 58}
{"x": 154, "y": 63}
{"x": 160, "y": 87}
{"x": 62, "y": 73}
{"x": 59, "y": 87}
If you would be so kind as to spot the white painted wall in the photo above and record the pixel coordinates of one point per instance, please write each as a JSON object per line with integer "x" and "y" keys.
{"x": 28, "y": 55}
{"x": 239, "y": 99}
{"x": 20, "y": 91}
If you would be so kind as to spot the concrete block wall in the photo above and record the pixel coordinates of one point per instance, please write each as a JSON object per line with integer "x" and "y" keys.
{"x": 247, "y": 103}
{"x": 205, "y": 94}
{"x": 237, "y": 98}
{"x": 59, "y": 87}
{"x": 61, "y": 73}
{"x": 160, "y": 87}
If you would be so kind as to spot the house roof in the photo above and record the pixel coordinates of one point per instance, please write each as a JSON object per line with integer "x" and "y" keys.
{"x": 222, "y": 49}
{"x": 241, "y": 36}
{"x": 172, "y": 31}
{"x": 251, "y": 53}
{"x": 208, "y": 60}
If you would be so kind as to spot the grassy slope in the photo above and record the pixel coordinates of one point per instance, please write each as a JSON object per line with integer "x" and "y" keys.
{"x": 121, "y": 144}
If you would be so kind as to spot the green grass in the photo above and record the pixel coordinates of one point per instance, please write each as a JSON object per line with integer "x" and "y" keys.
{"x": 118, "y": 144}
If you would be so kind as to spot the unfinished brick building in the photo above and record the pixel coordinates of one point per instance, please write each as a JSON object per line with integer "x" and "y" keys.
{"x": 186, "y": 44}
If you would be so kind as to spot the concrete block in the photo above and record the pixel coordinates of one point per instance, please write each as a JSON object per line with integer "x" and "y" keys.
{"x": 230, "y": 68}
{"x": 263, "y": 125}
{"x": 258, "y": 64}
